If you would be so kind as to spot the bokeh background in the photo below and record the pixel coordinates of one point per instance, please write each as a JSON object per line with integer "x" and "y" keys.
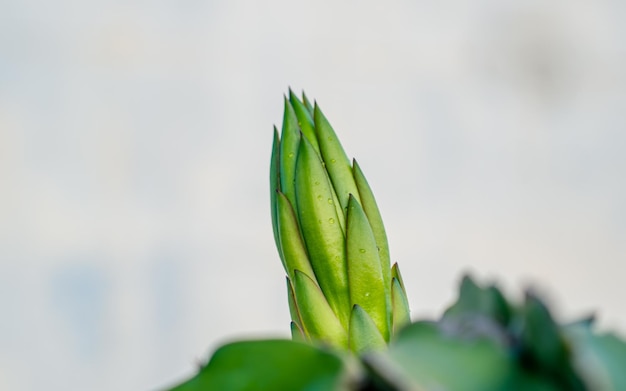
{"x": 135, "y": 233}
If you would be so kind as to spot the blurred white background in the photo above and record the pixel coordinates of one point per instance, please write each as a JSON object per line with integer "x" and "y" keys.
{"x": 134, "y": 151}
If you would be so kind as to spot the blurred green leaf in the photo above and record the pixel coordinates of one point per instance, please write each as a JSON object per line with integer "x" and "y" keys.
{"x": 543, "y": 346}
{"x": 270, "y": 365}
{"x": 541, "y": 336}
{"x": 424, "y": 358}
{"x": 474, "y": 300}
{"x": 600, "y": 359}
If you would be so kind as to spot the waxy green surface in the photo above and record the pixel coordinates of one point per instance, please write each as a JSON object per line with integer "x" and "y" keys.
{"x": 327, "y": 225}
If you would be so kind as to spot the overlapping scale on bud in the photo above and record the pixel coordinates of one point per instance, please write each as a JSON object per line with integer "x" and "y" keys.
{"x": 330, "y": 237}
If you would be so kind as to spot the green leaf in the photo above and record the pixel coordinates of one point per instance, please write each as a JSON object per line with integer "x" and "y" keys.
{"x": 364, "y": 335}
{"x": 269, "y": 365}
{"x": 541, "y": 335}
{"x": 600, "y": 359}
{"x": 470, "y": 300}
{"x": 474, "y": 299}
{"x": 424, "y": 358}
{"x": 543, "y": 345}
{"x": 499, "y": 308}
{"x": 365, "y": 276}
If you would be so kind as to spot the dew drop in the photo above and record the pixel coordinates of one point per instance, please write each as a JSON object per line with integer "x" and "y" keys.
{"x": 331, "y": 220}
{"x": 319, "y": 197}
{"x": 362, "y": 250}
{"x": 330, "y": 201}
{"x": 367, "y": 294}
{"x": 291, "y": 154}
{"x": 317, "y": 182}
{"x": 332, "y": 160}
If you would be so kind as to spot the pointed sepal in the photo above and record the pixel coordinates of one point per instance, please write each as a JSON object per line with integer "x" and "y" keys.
{"x": 305, "y": 121}
{"x": 335, "y": 159}
{"x": 368, "y": 202}
{"x": 400, "y": 311}
{"x": 365, "y": 276}
{"x": 289, "y": 142}
{"x": 363, "y": 334}
{"x": 318, "y": 319}
{"x": 395, "y": 273}
{"x": 291, "y": 243}
{"x": 321, "y": 230}
{"x": 296, "y": 333}
{"x": 294, "y": 313}
{"x": 274, "y": 187}
{"x": 307, "y": 103}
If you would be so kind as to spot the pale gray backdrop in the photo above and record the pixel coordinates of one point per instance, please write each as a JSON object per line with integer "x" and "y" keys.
{"x": 134, "y": 146}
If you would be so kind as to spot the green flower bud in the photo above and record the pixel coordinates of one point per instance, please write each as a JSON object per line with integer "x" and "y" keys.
{"x": 330, "y": 237}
